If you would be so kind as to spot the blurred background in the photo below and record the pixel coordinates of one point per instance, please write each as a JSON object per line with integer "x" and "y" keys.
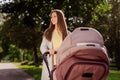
{"x": 22, "y": 23}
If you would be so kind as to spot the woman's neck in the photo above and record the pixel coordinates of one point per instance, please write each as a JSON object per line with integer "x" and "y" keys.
{"x": 56, "y": 27}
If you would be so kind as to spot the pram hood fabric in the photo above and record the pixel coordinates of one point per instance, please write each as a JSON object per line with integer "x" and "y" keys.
{"x": 77, "y": 40}
{"x": 82, "y": 42}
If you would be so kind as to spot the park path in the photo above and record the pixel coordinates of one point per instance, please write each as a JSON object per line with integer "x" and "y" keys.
{"x": 9, "y": 71}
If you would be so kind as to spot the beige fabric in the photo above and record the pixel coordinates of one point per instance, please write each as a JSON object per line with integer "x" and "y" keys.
{"x": 56, "y": 40}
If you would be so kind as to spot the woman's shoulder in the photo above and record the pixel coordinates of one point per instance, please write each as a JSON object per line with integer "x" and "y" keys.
{"x": 45, "y": 32}
{"x": 45, "y": 39}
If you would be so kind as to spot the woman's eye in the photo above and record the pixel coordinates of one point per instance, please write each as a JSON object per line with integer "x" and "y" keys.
{"x": 54, "y": 16}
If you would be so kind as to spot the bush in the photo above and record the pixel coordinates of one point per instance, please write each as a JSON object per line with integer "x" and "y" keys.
{"x": 24, "y": 62}
{"x": 31, "y": 63}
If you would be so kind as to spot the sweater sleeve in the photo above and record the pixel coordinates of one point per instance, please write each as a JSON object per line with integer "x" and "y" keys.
{"x": 44, "y": 45}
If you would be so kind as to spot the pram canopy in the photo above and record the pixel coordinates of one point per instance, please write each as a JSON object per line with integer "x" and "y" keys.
{"x": 82, "y": 53}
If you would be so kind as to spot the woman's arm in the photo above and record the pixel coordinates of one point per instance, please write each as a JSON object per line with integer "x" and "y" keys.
{"x": 44, "y": 45}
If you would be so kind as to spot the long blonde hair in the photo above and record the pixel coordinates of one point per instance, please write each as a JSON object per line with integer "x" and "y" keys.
{"x": 62, "y": 26}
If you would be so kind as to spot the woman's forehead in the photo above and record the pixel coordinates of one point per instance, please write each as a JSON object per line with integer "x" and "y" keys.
{"x": 53, "y": 14}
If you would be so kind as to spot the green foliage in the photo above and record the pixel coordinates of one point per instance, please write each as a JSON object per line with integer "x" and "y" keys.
{"x": 114, "y": 32}
{"x": 31, "y": 63}
{"x": 101, "y": 10}
{"x": 22, "y": 26}
{"x": 14, "y": 54}
{"x": 1, "y": 50}
{"x": 25, "y": 62}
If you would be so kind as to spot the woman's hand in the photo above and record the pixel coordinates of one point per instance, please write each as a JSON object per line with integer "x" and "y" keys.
{"x": 51, "y": 51}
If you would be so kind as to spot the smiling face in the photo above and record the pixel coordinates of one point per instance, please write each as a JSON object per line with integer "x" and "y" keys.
{"x": 57, "y": 21}
{"x": 54, "y": 18}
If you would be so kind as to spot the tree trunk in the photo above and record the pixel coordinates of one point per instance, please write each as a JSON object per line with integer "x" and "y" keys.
{"x": 22, "y": 55}
{"x": 117, "y": 54}
{"x": 36, "y": 60}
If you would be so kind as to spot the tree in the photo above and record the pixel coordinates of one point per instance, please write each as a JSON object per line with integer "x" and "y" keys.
{"x": 114, "y": 31}
{"x": 27, "y": 19}
{"x": 80, "y": 13}
{"x": 22, "y": 26}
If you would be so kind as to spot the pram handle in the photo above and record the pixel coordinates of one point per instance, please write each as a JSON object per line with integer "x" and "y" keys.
{"x": 44, "y": 56}
{"x": 46, "y": 62}
{"x": 46, "y": 53}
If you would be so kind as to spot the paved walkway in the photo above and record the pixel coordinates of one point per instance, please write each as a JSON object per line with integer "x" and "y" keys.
{"x": 8, "y": 71}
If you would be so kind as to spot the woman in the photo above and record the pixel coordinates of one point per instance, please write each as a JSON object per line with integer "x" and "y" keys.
{"x": 52, "y": 39}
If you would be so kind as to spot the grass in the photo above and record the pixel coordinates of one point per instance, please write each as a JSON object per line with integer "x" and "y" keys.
{"x": 114, "y": 75}
{"x": 36, "y": 72}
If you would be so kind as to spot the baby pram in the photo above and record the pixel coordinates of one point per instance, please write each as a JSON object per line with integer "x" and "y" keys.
{"x": 82, "y": 56}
